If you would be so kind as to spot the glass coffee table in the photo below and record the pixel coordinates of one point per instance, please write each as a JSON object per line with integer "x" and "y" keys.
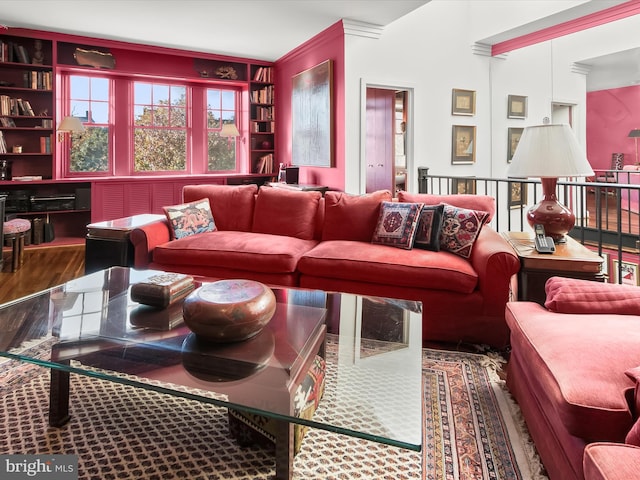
{"x": 90, "y": 326}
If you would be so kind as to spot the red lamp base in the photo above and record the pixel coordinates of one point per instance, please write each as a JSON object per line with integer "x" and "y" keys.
{"x": 556, "y": 219}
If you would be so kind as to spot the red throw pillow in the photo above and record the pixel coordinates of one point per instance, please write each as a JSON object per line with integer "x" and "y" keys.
{"x": 570, "y": 295}
{"x": 352, "y": 217}
{"x": 286, "y": 212}
{"x": 231, "y": 205}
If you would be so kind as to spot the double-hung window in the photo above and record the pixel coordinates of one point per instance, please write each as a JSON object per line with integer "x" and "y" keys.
{"x": 138, "y": 126}
{"x": 89, "y": 100}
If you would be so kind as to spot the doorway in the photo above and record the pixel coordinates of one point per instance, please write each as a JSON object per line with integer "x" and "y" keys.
{"x": 387, "y": 138}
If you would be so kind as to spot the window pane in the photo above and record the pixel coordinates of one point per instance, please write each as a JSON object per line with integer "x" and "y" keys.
{"x": 79, "y": 87}
{"x": 229, "y": 100}
{"x": 213, "y": 98}
{"x": 99, "y": 112}
{"x": 222, "y": 152}
{"x": 161, "y": 116}
{"x": 178, "y": 117}
{"x": 100, "y": 89}
{"x": 80, "y": 109}
{"x": 178, "y": 95}
{"x": 160, "y": 150}
{"x": 142, "y": 93}
{"x": 90, "y": 151}
{"x": 160, "y": 94}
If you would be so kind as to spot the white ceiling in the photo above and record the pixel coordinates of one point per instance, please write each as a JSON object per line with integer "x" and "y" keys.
{"x": 257, "y": 29}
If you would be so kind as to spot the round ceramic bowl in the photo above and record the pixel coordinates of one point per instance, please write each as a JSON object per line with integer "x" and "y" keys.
{"x": 229, "y": 310}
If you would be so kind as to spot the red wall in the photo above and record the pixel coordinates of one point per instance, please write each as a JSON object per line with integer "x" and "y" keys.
{"x": 329, "y": 44}
{"x": 611, "y": 115}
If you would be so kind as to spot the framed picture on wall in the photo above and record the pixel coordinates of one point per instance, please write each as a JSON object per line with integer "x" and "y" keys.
{"x": 463, "y": 185}
{"x": 605, "y": 265}
{"x": 517, "y": 194}
{"x": 312, "y": 116}
{"x": 517, "y": 106}
{"x": 628, "y": 273}
{"x": 513, "y": 138}
{"x": 463, "y": 145}
{"x": 463, "y": 102}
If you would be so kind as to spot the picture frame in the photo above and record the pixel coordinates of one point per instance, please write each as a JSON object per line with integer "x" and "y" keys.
{"x": 463, "y": 145}
{"x": 517, "y": 194}
{"x": 629, "y": 273}
{"x": 463, "y": 186}
{"x": 513, "y": 138}
{"x": 517, "y": 106}
{"x": 463, "y": 102}
{"x": 605, "y": 265}
{"x": 312, "y": 116}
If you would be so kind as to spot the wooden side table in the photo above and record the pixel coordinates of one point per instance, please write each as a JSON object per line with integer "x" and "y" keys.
{"x": 571, "y": 259}
{"x": 107, "y": 243}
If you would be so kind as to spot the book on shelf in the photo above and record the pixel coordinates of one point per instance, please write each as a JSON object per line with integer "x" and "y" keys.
{"x": 263, "y": 74}
{"x": 3, "y": 143}
{"x": 45, "y": 144}
{"x": 265, "y": 164}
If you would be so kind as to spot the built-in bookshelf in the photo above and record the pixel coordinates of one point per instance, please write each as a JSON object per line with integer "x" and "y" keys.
{"x": 26, "y": 105}
{"x": 262, "y": 119}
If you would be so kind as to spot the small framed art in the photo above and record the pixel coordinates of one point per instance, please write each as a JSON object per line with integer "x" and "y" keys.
{"x": 463, "y": 145}
{"x": 513, "y": 138}
{"x": 628, "y": 273}
{"x": 463, "y": 102}
{"x": 463, "y": 186}
{"x": 517, "y": 106}
{"x": 517, "y": 194}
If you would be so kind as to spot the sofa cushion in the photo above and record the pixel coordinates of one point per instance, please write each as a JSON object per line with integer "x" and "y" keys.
{"x": 397, "y": 224}
{"x": 231, "y": 205}
{"x": 429, "y": 226}
{"x": 484, "y": 203}
{"x": 255, "y": 252}
{"x": 460, "y": 229}
{"x": 589, "y": 392}
{"x": 382, "y": 264}
{"x": 352, "y": 217}
{"x": 611, "y": 461}
{"x": 190, "y": 218}
{"x": 286, "y": 212}
{"x": 570, "y": 295}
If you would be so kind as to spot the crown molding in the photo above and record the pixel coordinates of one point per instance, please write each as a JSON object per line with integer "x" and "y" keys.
{"x": 581, "y": 68}
{"x": 361, "y": 29}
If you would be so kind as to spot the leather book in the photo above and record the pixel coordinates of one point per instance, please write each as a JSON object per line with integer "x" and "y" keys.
{"x": 163, "y": 289}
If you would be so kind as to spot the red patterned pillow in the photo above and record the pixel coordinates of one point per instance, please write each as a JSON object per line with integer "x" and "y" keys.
{"x": 190, "y": 218}
{"x": 429, "y": 226}
{"x": 460, "y": 228}
{"x": 397, "y": 224}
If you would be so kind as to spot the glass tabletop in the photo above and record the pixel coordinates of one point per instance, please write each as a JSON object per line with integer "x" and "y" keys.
{"x": 372, "y": 348}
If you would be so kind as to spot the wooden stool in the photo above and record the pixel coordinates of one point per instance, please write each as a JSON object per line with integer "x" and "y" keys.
{"x": 15, "y": 232}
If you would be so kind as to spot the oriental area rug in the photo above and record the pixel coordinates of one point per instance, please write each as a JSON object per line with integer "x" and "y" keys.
{"x": 471, "y": 431}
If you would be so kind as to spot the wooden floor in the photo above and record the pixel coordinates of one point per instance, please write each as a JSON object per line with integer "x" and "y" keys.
{"x": 43, "y": 267}
{"x": 629, "y": 221}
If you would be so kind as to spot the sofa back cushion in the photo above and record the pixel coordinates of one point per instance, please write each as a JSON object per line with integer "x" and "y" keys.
{"x": 484, "y": 203}
{"x": 286, "y": 212}
{"x": 352, "y": 217}
{"x": 231, "y": 205}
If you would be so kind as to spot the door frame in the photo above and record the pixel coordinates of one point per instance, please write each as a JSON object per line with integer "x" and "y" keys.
{"x": 410, "y": 89}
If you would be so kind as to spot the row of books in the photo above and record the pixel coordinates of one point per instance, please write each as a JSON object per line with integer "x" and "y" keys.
{"x": 263, "y": 74}
{"x": 45, "y": 144}
{"x": 8, "y": 122}
{"x": 13, "y": 52}
{"x": 38, "y": 80}
{"x": 262, "y": 95}
{"x": 264, "y": 113}
{"x": 15, "y": 106}
{"x": 263, "y": 127}
{"x": 265, "y": 164}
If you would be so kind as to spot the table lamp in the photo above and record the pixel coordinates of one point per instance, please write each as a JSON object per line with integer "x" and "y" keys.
{"x": 635, "y": 133}
{"x": 550, "y": 151}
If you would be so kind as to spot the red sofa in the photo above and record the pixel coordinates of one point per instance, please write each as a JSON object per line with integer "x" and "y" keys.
{"x": 573, "y": 370}
{"x": 302, "y": 239}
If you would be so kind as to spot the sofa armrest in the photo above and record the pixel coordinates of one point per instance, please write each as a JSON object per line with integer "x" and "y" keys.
{"x": 611, "y": 461}
{"x": 145, "y": 238}
{"x": 496, "y": 263}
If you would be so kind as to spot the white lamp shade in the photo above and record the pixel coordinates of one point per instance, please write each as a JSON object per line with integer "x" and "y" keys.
{"x": 71, "y": 124}
{"x": 229, "y": 130}
{"x": 549, "y": 151}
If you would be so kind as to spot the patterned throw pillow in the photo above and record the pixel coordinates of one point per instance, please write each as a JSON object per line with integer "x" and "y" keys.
{"x": 190, "y": 218}
{"x": 460, "y": 228}
{"x": 429, "y": 226}
{"x": 397, "y": 224}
